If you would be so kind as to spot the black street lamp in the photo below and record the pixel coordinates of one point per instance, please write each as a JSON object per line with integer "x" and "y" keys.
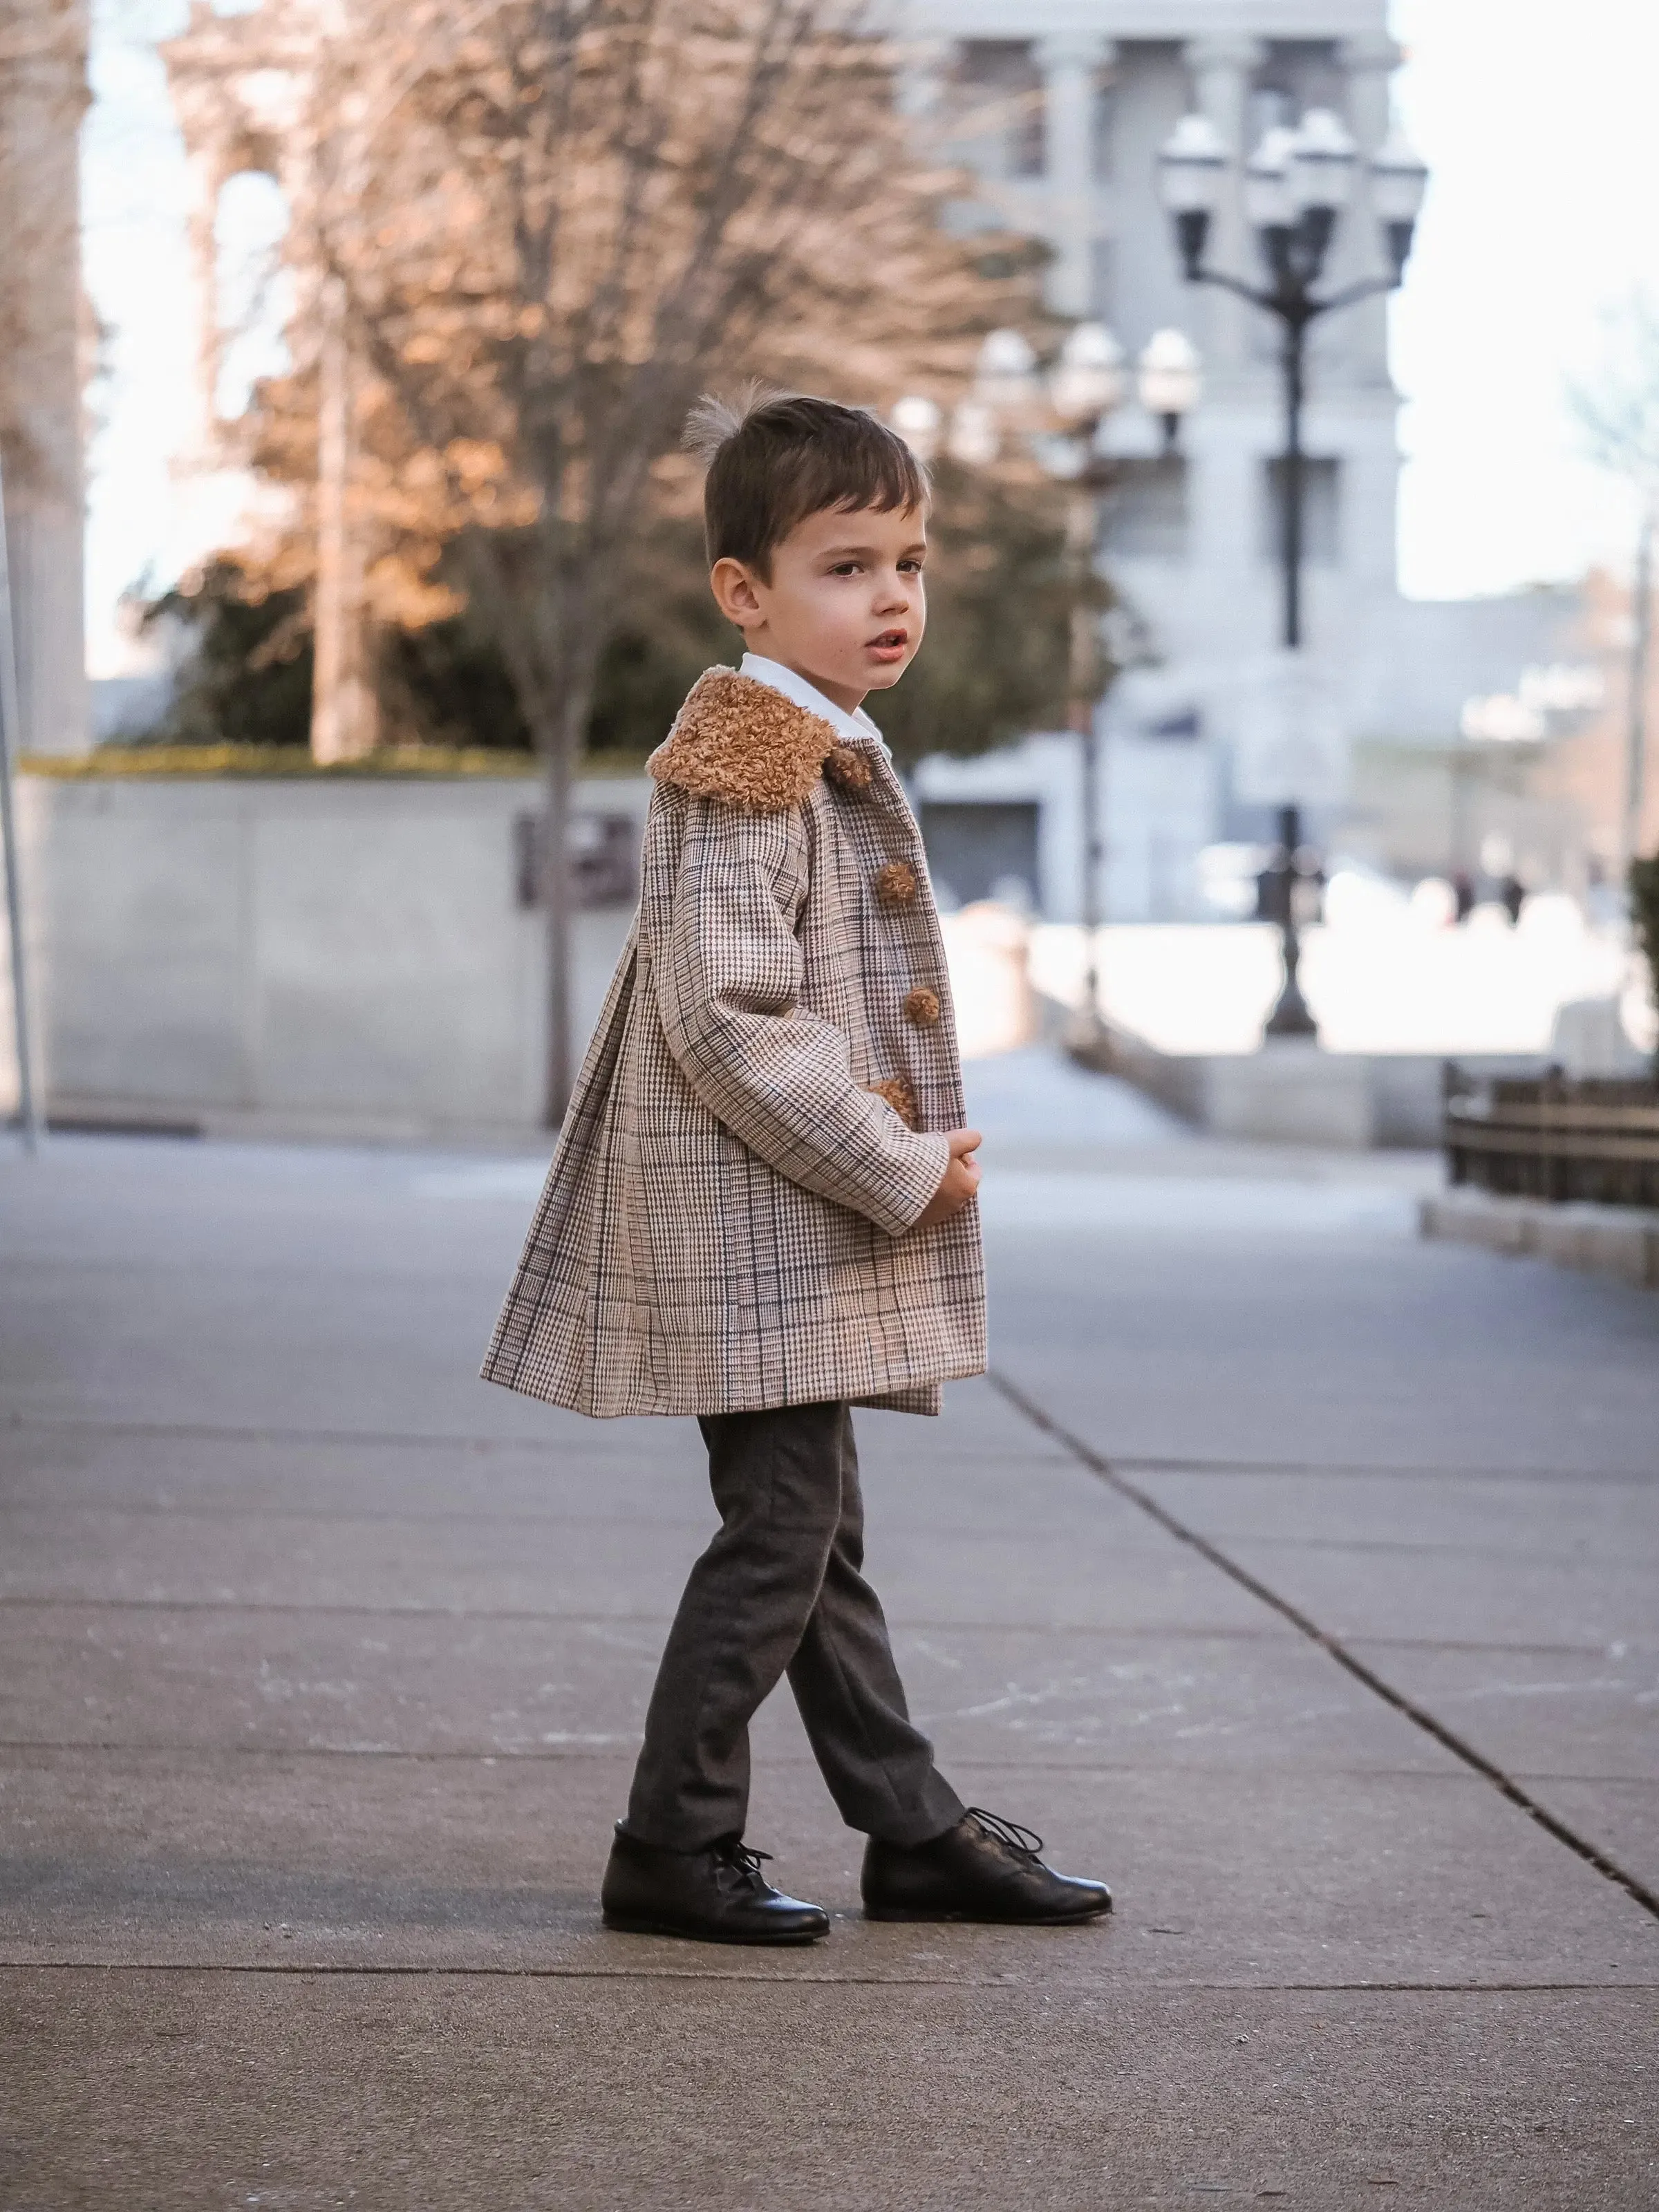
{"x": 1297, "y": 184}
{"x": 1086, "y": 384}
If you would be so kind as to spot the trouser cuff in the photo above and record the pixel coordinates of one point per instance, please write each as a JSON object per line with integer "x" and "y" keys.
{"x": 938, "y": 1812}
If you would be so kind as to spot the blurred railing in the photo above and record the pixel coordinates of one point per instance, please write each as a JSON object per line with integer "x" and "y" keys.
{"x": 1554, "y": 1138}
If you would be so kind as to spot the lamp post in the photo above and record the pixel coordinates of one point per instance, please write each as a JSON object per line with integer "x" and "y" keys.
{"x": 30, "y": 1116}
{"x": 1085, "y": 385}
{"x": 1636, "y": 712}
{"x": 1061, "y": 414}
{"x": 1297, "y": 184}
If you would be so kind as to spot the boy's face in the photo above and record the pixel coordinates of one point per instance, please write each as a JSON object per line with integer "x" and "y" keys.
{"x": 844, "y": 605}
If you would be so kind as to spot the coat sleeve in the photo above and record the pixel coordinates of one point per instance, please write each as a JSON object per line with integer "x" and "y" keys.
{"x": 728, "y": 981}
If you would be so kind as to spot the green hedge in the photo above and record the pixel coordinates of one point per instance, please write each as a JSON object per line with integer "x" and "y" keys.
{"x": 280, "y": 762}
{"x": 1644, "y": 910}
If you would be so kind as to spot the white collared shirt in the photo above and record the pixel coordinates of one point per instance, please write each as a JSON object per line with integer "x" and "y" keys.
{"x": 857, "y": 724}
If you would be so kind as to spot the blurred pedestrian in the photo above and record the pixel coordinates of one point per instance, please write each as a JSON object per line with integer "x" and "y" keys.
{"x": 1512, "y": 897}
{"x": 1463, "y": 884}
{"x": 762, "y": 1208}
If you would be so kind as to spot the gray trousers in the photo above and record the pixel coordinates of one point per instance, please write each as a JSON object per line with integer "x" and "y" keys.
{"x": 779, "y": 1591}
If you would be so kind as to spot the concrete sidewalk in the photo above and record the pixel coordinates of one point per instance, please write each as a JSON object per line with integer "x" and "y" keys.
{"x": 1297, "y": 1576}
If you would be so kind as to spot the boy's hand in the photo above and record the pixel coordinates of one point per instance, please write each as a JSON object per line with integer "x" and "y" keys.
{"x": 961, "y": 1180}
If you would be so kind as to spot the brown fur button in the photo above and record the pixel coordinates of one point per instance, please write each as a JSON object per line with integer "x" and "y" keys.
{"x": 921, "y": 1007}
{"x": 899, "y": 1097}
{"x": 896, "y": 884}
{"x": 848, "y": 767}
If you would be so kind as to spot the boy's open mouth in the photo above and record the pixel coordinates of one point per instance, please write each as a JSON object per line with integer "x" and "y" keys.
{"x": 889, "y": 644}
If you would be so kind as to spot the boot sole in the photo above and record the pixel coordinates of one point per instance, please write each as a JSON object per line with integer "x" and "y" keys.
{"x": 628, "y": 1924}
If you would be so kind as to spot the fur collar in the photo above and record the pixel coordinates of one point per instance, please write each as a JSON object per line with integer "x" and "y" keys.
{"x": 740, "y": 741}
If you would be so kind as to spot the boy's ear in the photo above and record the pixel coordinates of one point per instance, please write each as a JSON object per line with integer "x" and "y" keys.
{"x": 734, "y": 591}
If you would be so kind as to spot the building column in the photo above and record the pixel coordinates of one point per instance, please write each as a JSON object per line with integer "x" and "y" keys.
{"x": 1071, "y": 69}
{"x": 1221, "y": 69}
{"x": 1368, "y": 64}
{"x": 924, "y": 65}
{"x": 344, "y": 701}
{"x": 205, "y": 167}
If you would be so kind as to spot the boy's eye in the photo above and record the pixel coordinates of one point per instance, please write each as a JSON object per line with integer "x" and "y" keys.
{"x": 914, "y": 566}
{"x": 845, "y": 569}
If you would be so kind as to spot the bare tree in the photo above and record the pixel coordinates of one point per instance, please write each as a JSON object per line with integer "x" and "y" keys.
{"x": 551, "y": 222}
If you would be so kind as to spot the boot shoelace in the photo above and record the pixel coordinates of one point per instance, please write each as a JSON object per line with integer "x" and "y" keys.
{"x": 1024, "y": 1843}
{"x": 744, "y": 1864}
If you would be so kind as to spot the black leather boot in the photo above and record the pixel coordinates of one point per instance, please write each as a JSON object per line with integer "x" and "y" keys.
{"x": 714, "y": 1896}
{"x": 983, "y": 1868}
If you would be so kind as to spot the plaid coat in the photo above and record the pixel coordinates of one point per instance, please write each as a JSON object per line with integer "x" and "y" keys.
{"x": 727, "y": 1220}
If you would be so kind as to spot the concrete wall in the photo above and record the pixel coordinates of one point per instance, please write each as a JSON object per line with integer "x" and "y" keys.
{"x": 327, "y": 958}
{"x": 1293, "y": 1093}
{"x": 1157, "y": 804}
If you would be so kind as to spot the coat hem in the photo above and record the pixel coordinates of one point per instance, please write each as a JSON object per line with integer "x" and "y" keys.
{"x": 880, "y": 1394}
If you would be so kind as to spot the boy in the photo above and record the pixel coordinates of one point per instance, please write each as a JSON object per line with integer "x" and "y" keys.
{"x": 760, "y": 1210}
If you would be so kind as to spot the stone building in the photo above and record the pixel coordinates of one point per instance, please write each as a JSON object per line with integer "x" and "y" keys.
{"x": 1058, "y": 107}
{"x": 1064, "y": 105}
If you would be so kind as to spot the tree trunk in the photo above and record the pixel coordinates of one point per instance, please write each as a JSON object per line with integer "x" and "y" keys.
{"x": 556, "y": 889}
{"x": 345, "y": 703}
{"x": 561, "y": 744}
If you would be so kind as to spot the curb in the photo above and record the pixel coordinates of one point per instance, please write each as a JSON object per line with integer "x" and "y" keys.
{"x": 1619, "y": 1241}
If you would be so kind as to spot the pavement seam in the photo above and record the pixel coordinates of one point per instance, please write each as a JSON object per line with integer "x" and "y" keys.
{"x": 1158, "y": 1632}
{"x": 228, "y": 1432}
{"x": 1592, "y": 1855}
{"x": 1007, "y": 1983}
{"x": 148, "y": 1510}
{"x": 1394, "y": 1470}
{"x": 622, "y": 1748}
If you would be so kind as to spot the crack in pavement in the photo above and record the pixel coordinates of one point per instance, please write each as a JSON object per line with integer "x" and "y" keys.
{"x": 1419, "y": 1715}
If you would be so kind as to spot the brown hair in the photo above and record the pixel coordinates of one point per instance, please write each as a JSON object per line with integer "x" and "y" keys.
{"x": 774, "y": 458}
